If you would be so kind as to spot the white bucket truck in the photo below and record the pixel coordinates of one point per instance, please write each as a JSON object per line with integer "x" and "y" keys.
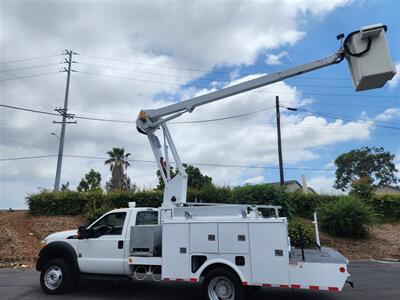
{"x": 226, "y": 247}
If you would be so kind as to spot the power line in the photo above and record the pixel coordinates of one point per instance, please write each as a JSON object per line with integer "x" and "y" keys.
{"x": 29, "y": 67}
{"x": 24, "y": 84}
{"x": 132, "y": 122}
{"x": 156, "y": 65}
{"x": 27, "y": 157}
{"x": 208, "y": 120}
{"x": 27, "y": 59}
{"x": 28, "y": 76}
{"x": 351, "y": 120}
{"x": 153, "y": 73}
{"x": 194, "y": 68}
{"x": 30, "y": 110}
{"x": 346, "y": 105}
{"x": 206, "y": 87}
{"x": 200, "y": 78}
{"x": 223, "y": 118}
{"x": 153, "y": 162}
{"x": 105, "y": 120}
{"x": 335, "y": 117}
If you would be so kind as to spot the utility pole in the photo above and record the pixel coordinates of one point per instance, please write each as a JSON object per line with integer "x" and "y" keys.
{"x": 278, "y": 129}
{"x": 65, "y": 115}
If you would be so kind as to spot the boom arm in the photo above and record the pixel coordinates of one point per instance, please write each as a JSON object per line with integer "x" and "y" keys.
{"x": 365, "y": 76}
{"x": 189, "y": 105}
{"x": 150, "y": 120}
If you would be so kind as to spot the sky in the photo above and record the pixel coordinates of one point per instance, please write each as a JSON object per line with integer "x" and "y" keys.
{"x": 133, "y": 55}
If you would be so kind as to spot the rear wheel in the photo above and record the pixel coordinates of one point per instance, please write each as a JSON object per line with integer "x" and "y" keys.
{"x": 55, "y": 277}
{"x": 223, "y": 284}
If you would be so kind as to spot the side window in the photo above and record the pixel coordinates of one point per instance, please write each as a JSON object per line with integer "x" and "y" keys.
{"x": 111, "y": 224}
{"x": 147, "y": 218}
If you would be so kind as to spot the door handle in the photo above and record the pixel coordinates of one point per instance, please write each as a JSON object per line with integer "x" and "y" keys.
{"x": 120, "y": 244}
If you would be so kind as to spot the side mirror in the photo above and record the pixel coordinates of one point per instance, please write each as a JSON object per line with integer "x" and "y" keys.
{"x": 84, "y": 233}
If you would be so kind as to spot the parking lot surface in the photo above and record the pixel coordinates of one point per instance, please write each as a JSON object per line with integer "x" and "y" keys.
{"x": 372, "y": 279}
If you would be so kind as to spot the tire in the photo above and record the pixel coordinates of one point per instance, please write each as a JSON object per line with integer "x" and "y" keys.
{"x": 251, "y": 289}
{"x": 56, "y": 277}
{"x": 223, "y": 284}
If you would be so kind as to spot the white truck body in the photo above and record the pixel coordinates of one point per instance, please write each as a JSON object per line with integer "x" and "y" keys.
{"x": 256, "y": 248}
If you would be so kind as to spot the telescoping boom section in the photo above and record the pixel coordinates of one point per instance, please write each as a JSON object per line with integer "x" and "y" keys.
{"x": 369, "y": 62}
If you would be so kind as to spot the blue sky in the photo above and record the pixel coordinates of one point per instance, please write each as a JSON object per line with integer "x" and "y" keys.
{"x": 150, "y": 54}
{"x": 320, "y": 41}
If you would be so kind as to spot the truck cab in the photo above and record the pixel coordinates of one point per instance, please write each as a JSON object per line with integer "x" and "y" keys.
{"x": 100, "y": 248}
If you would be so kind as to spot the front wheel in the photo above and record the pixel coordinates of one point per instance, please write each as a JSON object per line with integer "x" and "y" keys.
{"x": 55, "y": 277}
{"x": 222, "y": 284}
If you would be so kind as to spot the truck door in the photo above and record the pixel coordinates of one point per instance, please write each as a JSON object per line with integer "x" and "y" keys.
{"x": 104, "y": 252}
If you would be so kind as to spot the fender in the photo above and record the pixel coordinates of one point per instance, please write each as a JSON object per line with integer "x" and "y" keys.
{"x": 225, "y": 262}
{"x": 57, "y": 249}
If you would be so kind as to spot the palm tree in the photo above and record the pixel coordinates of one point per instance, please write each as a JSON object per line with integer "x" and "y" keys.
{"x": 118, "y": 162}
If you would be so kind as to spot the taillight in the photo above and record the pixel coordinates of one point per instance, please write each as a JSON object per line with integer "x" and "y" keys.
{"x": 342, "y": 269}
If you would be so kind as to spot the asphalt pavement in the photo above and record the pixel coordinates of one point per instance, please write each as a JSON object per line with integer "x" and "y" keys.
{"x": 372, "y": 280}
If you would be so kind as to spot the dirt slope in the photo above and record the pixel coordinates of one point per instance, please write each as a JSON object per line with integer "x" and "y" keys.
{"x": 383, "y": 243}
{"x": 20, "y": 236}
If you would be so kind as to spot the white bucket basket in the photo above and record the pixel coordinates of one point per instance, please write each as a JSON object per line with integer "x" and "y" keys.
{"x": 368, "y": 56}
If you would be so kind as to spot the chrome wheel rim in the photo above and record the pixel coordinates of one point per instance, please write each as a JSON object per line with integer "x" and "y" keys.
{"x": 53, "y": 277}
{"x": 221, "y": 288}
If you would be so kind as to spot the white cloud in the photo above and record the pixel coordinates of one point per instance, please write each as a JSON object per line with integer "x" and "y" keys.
{"x": 323, "y": 185}
{"x": 164, "y": 41}
{"x": 396, "y": 79}
{"x": 275, "y": 59}
{"x": 254, "y": 180}
{"x": 388, "y": 114}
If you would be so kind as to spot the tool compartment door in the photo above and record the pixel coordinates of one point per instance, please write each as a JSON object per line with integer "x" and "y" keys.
{"x": 175, "y": 251}
{"x": 204, "y": 238}
{"x": 269, "y": 253}
{"x": 233, "y": 238}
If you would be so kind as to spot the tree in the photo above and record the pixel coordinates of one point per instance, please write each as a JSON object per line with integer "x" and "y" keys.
{"x": 362, "y": 188}
{"x": 361, "y": 169}
{"x": 196, "y": 180}
{"x": 64, "y": 187}
{"x": 118, "y": 162}
{"x": 90, "y": 182}
{"x": 126, "y": 184}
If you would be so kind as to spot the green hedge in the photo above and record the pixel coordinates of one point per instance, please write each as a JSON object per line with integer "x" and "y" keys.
{"x": 263, "y": 194}
{"x": 60, "y": 203}
{"x": 77, "y": 203}
{"x": 386, "y": 207}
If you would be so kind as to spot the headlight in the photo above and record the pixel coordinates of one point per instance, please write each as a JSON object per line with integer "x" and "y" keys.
{"x": 43, "y": 243}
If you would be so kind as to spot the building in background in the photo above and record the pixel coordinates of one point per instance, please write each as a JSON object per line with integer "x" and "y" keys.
{"x": 293, "y": 186}
{"x": 387, "y": 190}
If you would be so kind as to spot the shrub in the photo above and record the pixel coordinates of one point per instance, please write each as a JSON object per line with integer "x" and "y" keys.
{"x": 387, "y": 207}
{"x": 346, "y": 217}
{"x": 307, "y": 230}
{"x": 304, "y": 205}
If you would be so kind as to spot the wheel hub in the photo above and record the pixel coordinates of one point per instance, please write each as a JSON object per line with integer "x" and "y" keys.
{"x": 221, "y": 288}
{"x": 53, "y": 277}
